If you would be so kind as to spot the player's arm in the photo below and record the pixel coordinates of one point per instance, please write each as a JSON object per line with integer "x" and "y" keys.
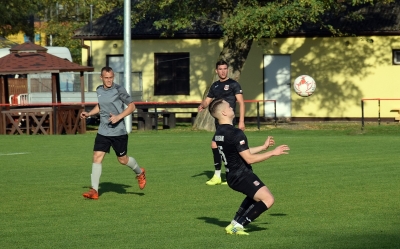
{"x": 255, "y": 158}
{"x": 268, "y": 142}
{"x": 204, "y": 104}
{"x": 128, "y": 110}
{"x": 94, "y": 111}
{"x": 240, "y": 100}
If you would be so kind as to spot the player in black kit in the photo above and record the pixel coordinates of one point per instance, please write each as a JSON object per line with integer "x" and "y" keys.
{"x": 238, "y": 157}
{"x": 231, "y": 91}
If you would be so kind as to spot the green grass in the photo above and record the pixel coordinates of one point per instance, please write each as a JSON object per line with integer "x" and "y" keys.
{"x": 338, "y": 188}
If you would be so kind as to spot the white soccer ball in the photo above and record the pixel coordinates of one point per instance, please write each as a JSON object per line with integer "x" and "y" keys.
{"x": 304, "y": 85}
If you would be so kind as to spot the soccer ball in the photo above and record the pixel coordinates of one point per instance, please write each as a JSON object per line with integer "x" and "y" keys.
{"x": 304, "y": 85}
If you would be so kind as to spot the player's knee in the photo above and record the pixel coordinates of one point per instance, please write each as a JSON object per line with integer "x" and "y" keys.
{"x": 272, "y": 201}
{"x": 123, "y": 160}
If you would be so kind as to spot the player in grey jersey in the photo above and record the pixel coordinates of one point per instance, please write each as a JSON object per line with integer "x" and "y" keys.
{"x": 238, "y": 157}
{"x": 112, "y": 131}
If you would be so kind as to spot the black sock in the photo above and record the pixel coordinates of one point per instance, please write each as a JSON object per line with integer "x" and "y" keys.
{"x": 217, "y": 159}
{"x": 253, "y": 212}
{"x": 247, "y": 202}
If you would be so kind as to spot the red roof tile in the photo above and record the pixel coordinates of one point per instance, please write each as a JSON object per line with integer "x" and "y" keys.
{"x": 31, "y": 58}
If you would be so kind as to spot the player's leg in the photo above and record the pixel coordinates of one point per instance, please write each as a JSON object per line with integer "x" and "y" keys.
{"x": 263, "y": 201}
{"x": 101, "y": 146}
{"x": 242, "y": 211}
{"x": 216, "y": 179}
{"x": 251, "y": 185}
{"x": 120, "y": 146}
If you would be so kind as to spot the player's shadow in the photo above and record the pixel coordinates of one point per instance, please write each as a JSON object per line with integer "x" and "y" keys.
{"x": 249, "y": 228}
{"x": 209, "y": 174}
{"x": 105, "y": 187}
{"x": 278, "y": 214}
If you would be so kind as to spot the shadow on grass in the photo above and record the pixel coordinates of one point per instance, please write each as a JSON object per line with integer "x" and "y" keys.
{"x": 105, "y": 187}
{"x": 278, "y": 214}
{"x": 215, "y": 221}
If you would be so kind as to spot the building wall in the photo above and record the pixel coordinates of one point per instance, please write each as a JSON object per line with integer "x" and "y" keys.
{"x": 39, "y": 39}
{"x": 346, "y": 70}
{"x": 203, "y": 55}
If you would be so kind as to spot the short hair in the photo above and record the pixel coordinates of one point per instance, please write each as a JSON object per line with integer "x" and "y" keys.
{"x": 107, "y": 69}
{"x": 221, "y": 62}
{"x": 214, "y": 105}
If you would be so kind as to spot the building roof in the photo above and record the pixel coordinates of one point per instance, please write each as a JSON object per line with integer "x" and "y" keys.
{"x": 110, "y": 27}
{"x": 379, "y": 19}
{"x": 31, "y": 58}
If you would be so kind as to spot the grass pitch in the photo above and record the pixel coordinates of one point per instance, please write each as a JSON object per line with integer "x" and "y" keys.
{"x": 338, "y": 188}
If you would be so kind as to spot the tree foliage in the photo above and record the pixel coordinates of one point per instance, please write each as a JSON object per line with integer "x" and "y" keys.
{"x": 63, "y": 17}
{"x": 16, "y": 15}
{"x": 60, "y": 19}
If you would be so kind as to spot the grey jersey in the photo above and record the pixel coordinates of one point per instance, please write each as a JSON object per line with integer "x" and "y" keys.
{"x": 112, "y": 100}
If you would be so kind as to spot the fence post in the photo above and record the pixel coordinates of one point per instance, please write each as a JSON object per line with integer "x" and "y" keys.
{"x": 362, "y": 114}
{"x": 379, "y": 112}
{"x": 258, "y": 115}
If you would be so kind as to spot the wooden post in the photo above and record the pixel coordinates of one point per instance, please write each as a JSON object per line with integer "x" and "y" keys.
{"x": 2, "y": 128}
{"x": 54, "y": 100}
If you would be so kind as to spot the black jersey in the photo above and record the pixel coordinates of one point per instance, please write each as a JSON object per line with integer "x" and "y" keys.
{"x": 226, "y": 90}
{"x": 230, "y": 142}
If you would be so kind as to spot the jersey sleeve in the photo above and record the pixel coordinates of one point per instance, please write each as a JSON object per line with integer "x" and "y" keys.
{"x": 237, "y": 89}
{"x": 124, "y": 96}
{"x": 241, "y": 143}
{"x": 211, "y": 93}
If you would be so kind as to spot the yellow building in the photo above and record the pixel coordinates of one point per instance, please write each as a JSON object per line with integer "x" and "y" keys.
{"x": 39, "y": 39}
{"x": 346, "y": 69}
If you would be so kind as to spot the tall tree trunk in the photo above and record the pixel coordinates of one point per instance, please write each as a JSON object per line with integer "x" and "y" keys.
{"x": 235, "y": 52}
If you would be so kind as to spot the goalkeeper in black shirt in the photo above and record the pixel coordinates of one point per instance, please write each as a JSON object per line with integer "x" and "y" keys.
{"x": 238, "y": 157}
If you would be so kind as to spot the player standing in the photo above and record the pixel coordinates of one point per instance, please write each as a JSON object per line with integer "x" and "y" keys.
{"x": 231, "y": 91}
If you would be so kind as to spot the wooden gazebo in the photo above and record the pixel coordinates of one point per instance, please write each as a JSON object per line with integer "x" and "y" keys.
{"x": 25, "y": 118}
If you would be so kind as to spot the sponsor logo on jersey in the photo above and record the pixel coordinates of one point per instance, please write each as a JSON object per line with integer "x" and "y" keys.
{"x": 256, "y": 183}
{"x": 226, "y": 87}
{"x": 219, "y": 138}
{"x": 242, "y": 142}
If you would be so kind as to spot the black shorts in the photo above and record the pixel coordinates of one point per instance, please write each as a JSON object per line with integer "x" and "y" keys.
{"x": 118, "y": 143}
{"x": 248, "y": 184}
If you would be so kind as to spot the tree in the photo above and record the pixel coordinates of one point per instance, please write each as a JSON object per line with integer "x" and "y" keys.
{"x": 63, "y": 17}
{"x": 244, "y": 21}
{"x": 16, "y": 16}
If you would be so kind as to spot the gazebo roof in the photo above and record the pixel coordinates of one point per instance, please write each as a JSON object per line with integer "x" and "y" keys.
{"x": 31, "y": 58}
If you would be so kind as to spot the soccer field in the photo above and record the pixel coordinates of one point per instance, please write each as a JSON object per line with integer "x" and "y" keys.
{"x": 335, "y": 189}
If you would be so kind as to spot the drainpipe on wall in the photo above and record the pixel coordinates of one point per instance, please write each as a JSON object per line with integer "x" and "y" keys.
{"x": 89, "y": 57}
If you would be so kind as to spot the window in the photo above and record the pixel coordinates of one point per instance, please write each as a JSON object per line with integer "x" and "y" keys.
{"x": 116, "y": 62}
{"x": 171, "y": 74}
{"x": 396, "y": 57}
